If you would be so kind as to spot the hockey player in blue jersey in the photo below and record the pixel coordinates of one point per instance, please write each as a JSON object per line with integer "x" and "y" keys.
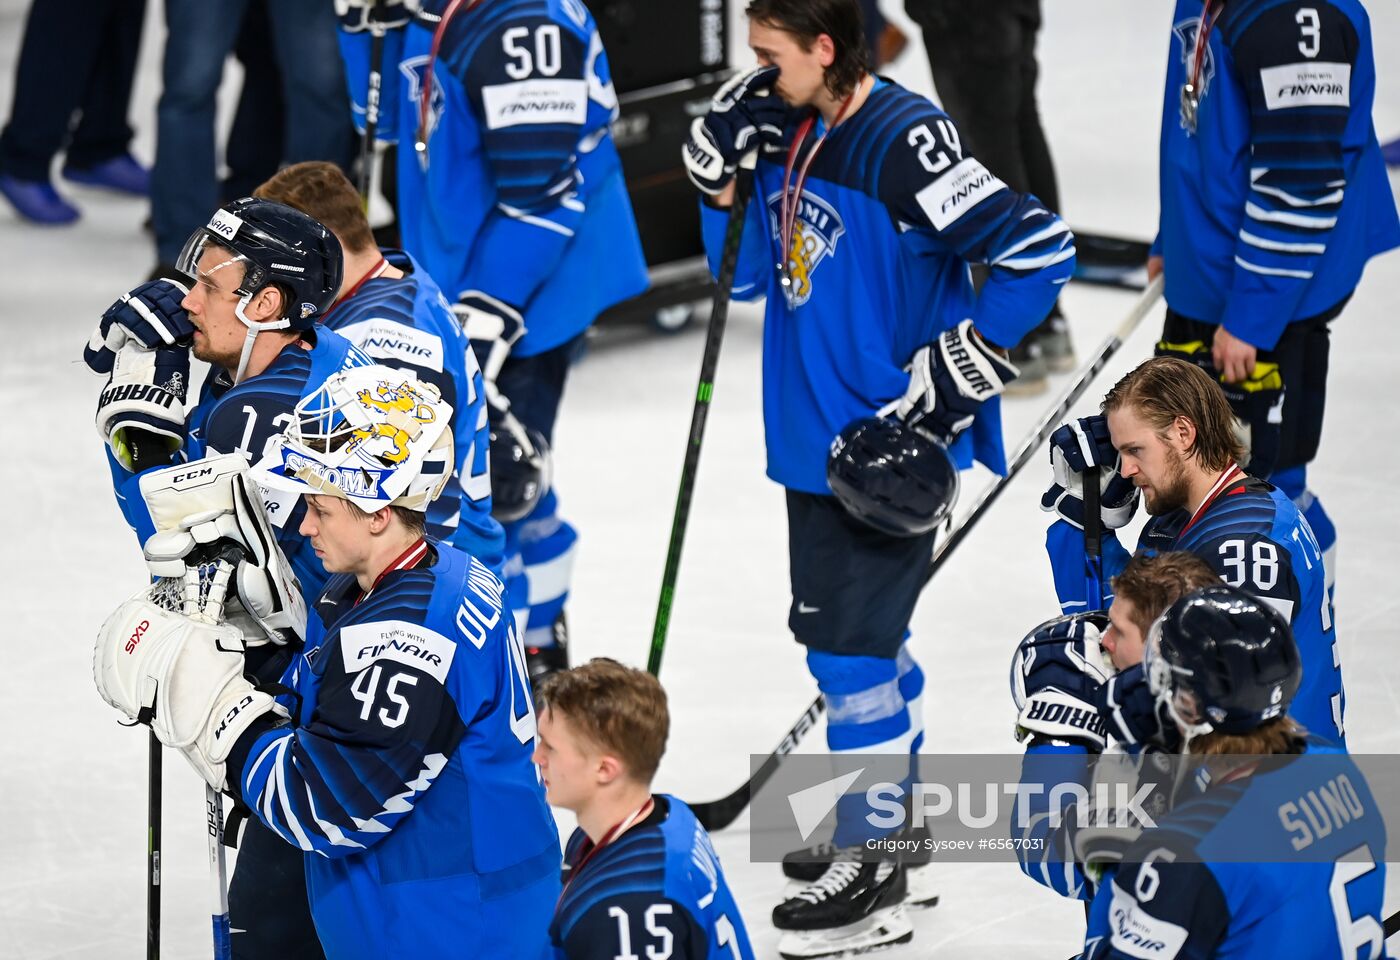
{"x": 866, "y": 214}
{"x": 1074, "y": 683}
{"x": 511, "y": 196}
{"x": 1167, "y": 432}
{"x": 262, "y": 276}
{"x": 640, "y": 874}
{"x": 395, "y": 314}
{"x": 1273, "y": 197}
{"x": 400, "y": 760}
{"x": 1229, "y": 867}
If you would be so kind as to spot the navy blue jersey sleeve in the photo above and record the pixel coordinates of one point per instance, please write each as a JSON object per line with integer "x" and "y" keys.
{"x": 528, "y": 76}
{"x": 930, "y": 184}
{"x": 1295, "y": 61}
{"x": 382, "y": 728}
{"x": 1044, "y": 843}
{"x": 636, "y": 924}
{"x": 1161, "y": 908}
{"x": 1079, "y": 585}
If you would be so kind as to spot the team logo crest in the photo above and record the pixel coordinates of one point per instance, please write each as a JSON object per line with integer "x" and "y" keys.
{"x": 396, "y": 415}
{"x": 415, "y": 69}
{"x": 1187, "y": 32}
{"x": 814, "y": 236}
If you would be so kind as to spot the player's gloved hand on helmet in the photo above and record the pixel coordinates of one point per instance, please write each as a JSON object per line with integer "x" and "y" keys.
{"x": 949, "y": 379}
{"x": 493, "y": 326}
{"x": 1055, "y": 674}
{"x": 212, "y": 505}
{"x": 744, "y": 113}
{"x": 145, "y": 394}
{"x": 183, "y": 675}
{"x": 150, "y": 315}
{"x": 356, "y": 16}
{"x": 1083, "y": 448}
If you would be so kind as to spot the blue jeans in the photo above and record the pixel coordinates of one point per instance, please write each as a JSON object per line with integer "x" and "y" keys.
{"x": 185, "y": 185}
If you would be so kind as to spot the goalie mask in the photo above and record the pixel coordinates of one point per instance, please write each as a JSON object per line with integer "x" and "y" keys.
{"x": 372, "y": 435}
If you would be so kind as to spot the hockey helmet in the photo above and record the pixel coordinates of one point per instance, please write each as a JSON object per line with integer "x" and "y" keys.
{"x": 273, "y": 243}
{"x": 891, "y": 477}
{"x": 1222, "y": 659}
{"x": 372, "y": 435}
{"x": 521, "y": 470}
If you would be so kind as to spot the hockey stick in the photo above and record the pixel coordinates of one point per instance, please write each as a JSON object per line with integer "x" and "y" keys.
{"x": 1093, "y": 532}
{"x": 714, "y": 337}
{"x": 718, "y": 814}
{"x": 368, "y": 157}
{"x": 211, "y": 610}
{"x": 1391, "y": 925}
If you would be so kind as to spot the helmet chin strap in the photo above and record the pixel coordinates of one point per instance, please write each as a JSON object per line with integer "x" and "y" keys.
{"x": 254, "y": 328}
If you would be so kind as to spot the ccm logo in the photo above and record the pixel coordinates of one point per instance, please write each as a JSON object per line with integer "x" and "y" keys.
{"x": 136, "y": 635}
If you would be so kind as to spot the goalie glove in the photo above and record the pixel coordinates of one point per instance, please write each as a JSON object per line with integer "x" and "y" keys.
{"x": 1055, "y": 673}
{"x": 210, "y": 503}
{"x": 949, "y": 379}
{"x": 144, "y": 394}
{"x": 181, "y": 675}
{"x": 1076, "y": 448}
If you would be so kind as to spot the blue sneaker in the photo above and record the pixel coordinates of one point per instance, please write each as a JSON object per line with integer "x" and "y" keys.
{"x": 121, "y": 174}
{"x": 37, "y": 201}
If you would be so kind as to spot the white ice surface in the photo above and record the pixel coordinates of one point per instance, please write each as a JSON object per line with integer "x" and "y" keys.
{"x": 73, "y": 783}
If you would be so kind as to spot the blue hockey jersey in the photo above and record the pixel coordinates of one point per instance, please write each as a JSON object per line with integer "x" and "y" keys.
{"x": 519, "y": 192}
{"x": 891, "y": 214}
{"x": 243, "y": 418}
{"x": 1289, "y": 862}
{"x": 1253, "y": 536}
{"x": 406, "y": 775}
{"x": 405, "y": 323}
{"x": 1273, "y": 203}
{"x": 656, "y": 891}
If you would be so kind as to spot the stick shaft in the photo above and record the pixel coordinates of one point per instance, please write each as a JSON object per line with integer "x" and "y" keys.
{"x": 714, "y": 338}
{"x": 717, "y": 814}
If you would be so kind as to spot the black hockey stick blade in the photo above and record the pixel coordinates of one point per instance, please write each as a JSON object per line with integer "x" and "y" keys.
{"x": 1391, "y": 925}
{"x": 718, "y": 814}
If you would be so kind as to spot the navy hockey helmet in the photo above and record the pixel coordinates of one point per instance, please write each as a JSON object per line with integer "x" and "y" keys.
{"x": 521, "y": 472}
{"x": 891, "y": 477}
{"x": 274, "y": 243}
{"x": 1222, "y": 659}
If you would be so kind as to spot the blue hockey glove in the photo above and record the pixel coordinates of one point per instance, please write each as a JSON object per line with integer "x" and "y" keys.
{"x": 359, "y": 15}
{"x": 743, "y": 113}
{"x": 150, "y": 315}
{"x": 1055, "y": 674}
{"x": 145, "y": 393}
{"x": 949, "y": 380}
{"x": 1075, "y": 448}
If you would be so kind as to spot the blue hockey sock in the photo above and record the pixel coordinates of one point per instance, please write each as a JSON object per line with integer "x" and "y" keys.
{"x": 1294, "y": 483}
{"x": 866, "y": 714}
{"x": 546, "y": 543}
